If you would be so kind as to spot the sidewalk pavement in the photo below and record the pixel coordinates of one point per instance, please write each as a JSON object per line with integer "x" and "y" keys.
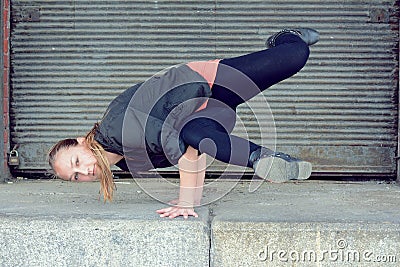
{"x": 310, "y": 223}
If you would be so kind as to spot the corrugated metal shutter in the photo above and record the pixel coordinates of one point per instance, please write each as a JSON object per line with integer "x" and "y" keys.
{"x": 70, "y": 58}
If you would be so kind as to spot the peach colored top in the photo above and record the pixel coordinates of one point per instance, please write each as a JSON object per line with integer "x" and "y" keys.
{"x": 207, "y": 69}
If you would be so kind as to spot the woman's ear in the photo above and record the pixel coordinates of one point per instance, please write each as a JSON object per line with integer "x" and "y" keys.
{"x": 80, "y": 140}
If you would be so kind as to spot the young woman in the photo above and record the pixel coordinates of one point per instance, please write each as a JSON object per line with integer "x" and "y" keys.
{"x": 175, "y": 117}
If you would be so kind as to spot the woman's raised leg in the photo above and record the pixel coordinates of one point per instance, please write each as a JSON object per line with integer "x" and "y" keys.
{"x": 240, "y": 78}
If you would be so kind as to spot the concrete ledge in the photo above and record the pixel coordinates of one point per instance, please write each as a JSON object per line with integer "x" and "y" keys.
{"x": 305, "y": 244}
{"x": 312, "y": 223}
{"x": 64, "y": 224}
{"x": 94, "y": 242}
{"x": 308, "y": 224}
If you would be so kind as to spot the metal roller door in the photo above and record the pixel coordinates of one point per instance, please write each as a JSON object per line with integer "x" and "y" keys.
{"x": 70, "y": 58}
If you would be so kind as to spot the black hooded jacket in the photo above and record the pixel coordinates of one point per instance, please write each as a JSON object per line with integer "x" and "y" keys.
{"x": 142, "y": 123}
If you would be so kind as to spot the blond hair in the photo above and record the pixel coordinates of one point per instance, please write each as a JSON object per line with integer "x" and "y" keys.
{"x": 107, "y": 185}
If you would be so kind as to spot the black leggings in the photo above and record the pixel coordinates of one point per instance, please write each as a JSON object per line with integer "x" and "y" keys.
{"x": 238, "y": 80}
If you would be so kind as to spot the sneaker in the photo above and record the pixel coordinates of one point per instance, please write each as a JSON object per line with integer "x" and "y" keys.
{"x": 280, "y": 167}
{"x": 309, "y": 36}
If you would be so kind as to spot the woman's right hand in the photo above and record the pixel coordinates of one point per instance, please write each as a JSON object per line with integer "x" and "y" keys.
{"x": 176, "y": 211}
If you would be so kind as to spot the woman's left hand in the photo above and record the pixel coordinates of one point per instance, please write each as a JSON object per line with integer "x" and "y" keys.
{"x": 177, "y": 211}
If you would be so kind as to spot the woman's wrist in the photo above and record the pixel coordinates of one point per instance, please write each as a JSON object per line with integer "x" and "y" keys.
{"x": 185, "y": 204}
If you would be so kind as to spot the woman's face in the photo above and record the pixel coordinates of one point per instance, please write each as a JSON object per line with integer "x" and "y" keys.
{"x": 76, "y": 163}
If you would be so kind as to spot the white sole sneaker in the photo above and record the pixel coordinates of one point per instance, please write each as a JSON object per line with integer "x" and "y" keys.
{"x": 278, "y": 170}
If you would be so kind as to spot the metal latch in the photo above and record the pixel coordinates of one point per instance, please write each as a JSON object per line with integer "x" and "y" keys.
{"x": 13, "y": 158}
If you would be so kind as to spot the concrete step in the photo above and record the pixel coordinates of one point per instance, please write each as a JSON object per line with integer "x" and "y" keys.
{"x": 311, "y": 223}
{"x": 308, "y": 224}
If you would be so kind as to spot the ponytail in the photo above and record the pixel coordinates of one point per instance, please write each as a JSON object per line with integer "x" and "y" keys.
{"x": 105, "y": 175}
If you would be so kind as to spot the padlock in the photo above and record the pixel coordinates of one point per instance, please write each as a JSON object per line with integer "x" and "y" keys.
{"x": 13, "y": 158}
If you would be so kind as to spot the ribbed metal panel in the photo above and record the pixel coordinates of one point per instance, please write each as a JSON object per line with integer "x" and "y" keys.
{"x": 70, "y": 58}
